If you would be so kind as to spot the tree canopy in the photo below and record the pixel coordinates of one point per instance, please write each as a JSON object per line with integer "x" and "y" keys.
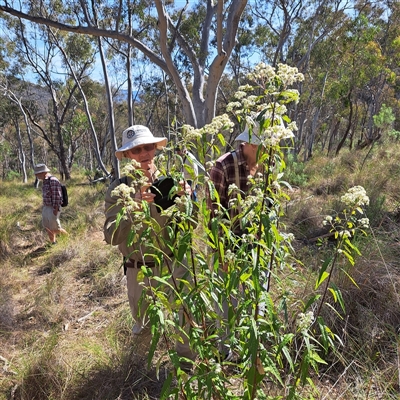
{"x": 169, "y": 63}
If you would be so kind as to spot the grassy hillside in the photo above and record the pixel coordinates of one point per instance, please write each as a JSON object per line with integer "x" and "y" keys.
{"x": 65, "y": 325}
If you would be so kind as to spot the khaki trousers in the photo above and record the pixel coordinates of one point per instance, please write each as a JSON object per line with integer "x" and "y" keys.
{"x": 136, "y": 285}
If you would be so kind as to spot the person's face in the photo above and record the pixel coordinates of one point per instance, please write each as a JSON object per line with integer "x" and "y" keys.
{"x": 143, "y": 154}
{"x": 181, "y": 151}
{"x": 41, "y": 175}
{"x": 250, "y": 152}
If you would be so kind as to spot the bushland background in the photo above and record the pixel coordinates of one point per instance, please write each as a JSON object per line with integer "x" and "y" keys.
{"x": 65, "y": 320}
{"x": 73, "y": 77}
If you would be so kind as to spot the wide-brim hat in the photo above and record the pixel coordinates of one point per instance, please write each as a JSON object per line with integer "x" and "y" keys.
{"x": 250, "y": 135}
{"x": 137, "y": 135}
{"x": 39, "y": 168}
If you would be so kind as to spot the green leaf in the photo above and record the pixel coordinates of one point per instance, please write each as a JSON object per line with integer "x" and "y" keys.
{"x": 351, "y": 279}
{"x": 348, "y": 256}
{"x": 166, "y": 387}
{"x": 338, "y": 296}
{"x": 321, "y": 279}
{"x": 324, "y": 335}
{"x": 311, "y": 301}
{"x": 221, "y": 138}
{"x": 352, "y": 246}
{"x": 333, "y": 294}
{"x": 120, "y": 216}
{"x": 316, "y": 357}
{"x": 131, "y": 237}
{"x": 288, "y": 357}
{"x": 322, "y": 273}
{"x": 184, "y": 243}
{"x": 270, "y": 366}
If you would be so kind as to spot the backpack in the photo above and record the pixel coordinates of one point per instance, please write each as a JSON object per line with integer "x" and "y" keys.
{"x": 64, "y": 195}
{"x": 64, "y": 192}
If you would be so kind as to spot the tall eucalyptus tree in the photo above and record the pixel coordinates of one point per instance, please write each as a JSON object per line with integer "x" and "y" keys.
{"x": 157, "y": 32}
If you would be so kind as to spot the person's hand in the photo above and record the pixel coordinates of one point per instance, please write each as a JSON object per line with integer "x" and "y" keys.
{"x": 186, "y": 189}
{"x": 145, "y": 194}
{"x": 55, "y": 211}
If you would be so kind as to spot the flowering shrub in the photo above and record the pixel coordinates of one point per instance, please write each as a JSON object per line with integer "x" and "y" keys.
{"x": 259, "y": 328}
{"x": 345, "y": 228}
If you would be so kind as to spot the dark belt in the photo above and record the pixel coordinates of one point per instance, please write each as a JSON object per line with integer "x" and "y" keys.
{"x": 137, "y": 264}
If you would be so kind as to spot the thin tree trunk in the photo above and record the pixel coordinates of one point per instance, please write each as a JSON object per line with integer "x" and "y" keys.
{"x": 21, "y": 153}
{"x": 348, "y": 128}
{"x": 110, "y": 106}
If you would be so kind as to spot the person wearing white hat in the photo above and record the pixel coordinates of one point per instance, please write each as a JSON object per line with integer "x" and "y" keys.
{"x": 52, "y": 201}
{"x": 139, "y": 144}
{"x": 137, "y": 138}
{"x": 235, "y": 167}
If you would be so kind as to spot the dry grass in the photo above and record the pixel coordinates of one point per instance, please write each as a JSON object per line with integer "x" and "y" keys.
{"x": 368, "y": 360}
{"x": 64, "y": 317}
{"x": 65, "y": 324}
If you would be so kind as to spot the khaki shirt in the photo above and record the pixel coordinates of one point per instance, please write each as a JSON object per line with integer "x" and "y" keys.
{"x": 118, "y": 237}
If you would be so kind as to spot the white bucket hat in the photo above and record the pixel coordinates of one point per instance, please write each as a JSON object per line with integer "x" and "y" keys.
{"x": 137, "y": 135}
{"x": 39, "y": 168}
{"x": 253, "y": 136}
{"x": 250, "y": 137}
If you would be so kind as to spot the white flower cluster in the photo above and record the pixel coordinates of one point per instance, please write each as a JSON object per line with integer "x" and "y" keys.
{"x": 285, "y": 75}
{"x": 181, "y": 203}
{"x": 233, "y": 105}
{"x": 218, "y": 124}
{"x": 232, "y": 203}
{"x": 276, "y": 109}
{"x": 245, "y": 88}
{"x": 346, "y": 228}
{"x": 355, "y": 197}
{"x": 258, "y": 179}
{"x": 232, "y": 188}
{"x": 230, "y": 256}
{"x": 288, "y": 237}
{"x": 273, "y": 135}
{"x": 249, "y": 238}
{"x": 125, "y": 196}
{"x": 256, "y": 197}
{"x": 273, "y": 82}
{"x": 189, "y": 133}
{"x": 209, "y": 165}
{"x": 289, "y": 75}
{"x": 131, "y": 167}
{"x": 249, "y": 102}
{"x": 273, "y": 130}
{"x": 137, "y": 223}
{"x": 305, "y": 320}
{"x": 262, "y": 72}
{"x": 133, "y": 170}
{"x": 240, "y": 94}
{"x": 364, "y": 222}
{"x": 345, "y": 234}
{"x": 328, "y": 220}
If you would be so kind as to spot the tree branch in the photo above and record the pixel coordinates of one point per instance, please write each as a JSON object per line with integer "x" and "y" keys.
{"x": 171, "y": 69}
{"x": 93, "y": 31}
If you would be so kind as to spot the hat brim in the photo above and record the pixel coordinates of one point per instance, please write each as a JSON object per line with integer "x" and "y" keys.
{"x": 42, "y": 171}
{"x": 245, "y": 137}
{"x": 161, "y": 142}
